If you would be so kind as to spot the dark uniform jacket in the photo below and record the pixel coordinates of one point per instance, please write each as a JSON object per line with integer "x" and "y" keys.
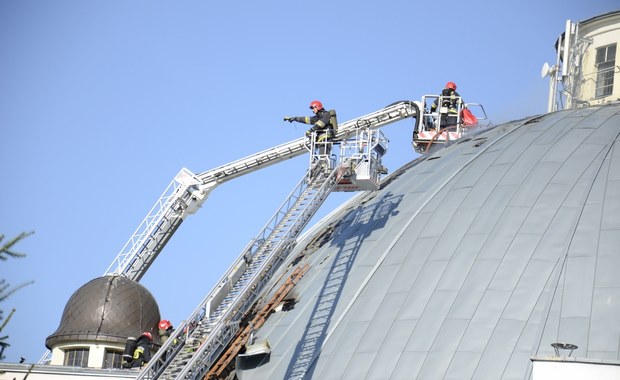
{"x": 322, "y": 125}
{"x": 142, "y": 353}
{"x": 449, "y": 99}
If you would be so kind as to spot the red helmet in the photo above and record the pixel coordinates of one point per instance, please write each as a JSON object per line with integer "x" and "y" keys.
{"x": 164, "y": 324}
{"x": 451, "y": 85}
{"x": 317, "y": 104}
{"x": 148, "y": 335}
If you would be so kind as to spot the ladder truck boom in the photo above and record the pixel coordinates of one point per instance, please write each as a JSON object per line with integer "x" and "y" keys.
{"x": 182, "y": 197}
{"x": 390, "y": 114}
{"x": 187, "y": 191}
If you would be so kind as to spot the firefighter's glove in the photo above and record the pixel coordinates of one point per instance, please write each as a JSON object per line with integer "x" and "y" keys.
{"x": 311, "y": 130}
{"x": 289, "y": 119}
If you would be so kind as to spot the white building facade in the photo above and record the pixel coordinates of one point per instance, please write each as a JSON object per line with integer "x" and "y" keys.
{"x": 587, "y": 68}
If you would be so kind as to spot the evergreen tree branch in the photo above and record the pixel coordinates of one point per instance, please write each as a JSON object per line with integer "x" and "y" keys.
{"x": 5, "y": 250}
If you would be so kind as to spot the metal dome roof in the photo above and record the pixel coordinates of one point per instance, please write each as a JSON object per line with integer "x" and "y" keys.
{"x": 106, "y": 309}
{"x": 467, "y": 262}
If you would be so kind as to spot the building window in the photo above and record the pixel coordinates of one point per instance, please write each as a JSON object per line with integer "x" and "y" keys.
{"x": 112, "y": 359}
{"x": 605, "y": 67}
{"x": 76, "y": 357}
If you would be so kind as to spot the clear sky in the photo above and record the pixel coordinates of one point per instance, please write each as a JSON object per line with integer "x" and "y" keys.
{"x": 103, "y": 102}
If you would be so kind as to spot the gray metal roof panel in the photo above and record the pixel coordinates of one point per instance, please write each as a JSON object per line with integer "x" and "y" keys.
{"x": 527, "y": 293}
{"x": 502, "y": 234}
{"x": 514, "y": 262}
{"x": 484, "y": 321}
{"x": 495, "y": 205}
{"x": 357, "y": 368}
{"x": 473, "y": 289}
{"x": 379, "y": 327}
{"x": 610, "y": 218}
{"x": 463, "y": 365}
{"x": 422, "y": 290}
{"x": 457, "y": 270}
{"x": 411, "y": 265}
{"x": 499, "y": 350}
{"x": 607, "y": 271}
{"x": 409, "y": 365}
{"x": 604, "y": 321}
{"x": 386, "y": 359}
{"x": 443, "y": 348}
{"x": 430, "y": 324}
{"x": 608, "y": 243}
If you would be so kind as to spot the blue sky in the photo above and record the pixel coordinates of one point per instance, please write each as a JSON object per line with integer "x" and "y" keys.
{"x": 103, "y": 102}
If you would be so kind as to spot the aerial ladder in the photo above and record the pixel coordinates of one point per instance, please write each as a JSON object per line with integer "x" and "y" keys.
{"x": 200, "y": 340}
{"x": 212, "y": 324}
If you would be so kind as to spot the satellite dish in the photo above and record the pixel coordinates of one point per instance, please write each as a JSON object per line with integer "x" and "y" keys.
{"x": 545, "y": 70}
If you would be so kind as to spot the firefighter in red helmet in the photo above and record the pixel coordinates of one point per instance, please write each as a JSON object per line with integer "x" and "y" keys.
{"x": 142, "y": 353}
{"x": 452, "y": 102}
{"x": 322, "y": 124}
{"x": 165, "y": 330}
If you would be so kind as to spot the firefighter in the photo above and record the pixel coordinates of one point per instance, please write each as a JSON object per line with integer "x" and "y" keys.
{"x": 322, "y": 125}
{"x": 142, "y": 353}
{"x": 451, "y": 100}
{"x": 165, "y": 330}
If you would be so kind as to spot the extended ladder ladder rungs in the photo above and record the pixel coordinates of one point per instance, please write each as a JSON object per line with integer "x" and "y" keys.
{"x": 218, "y": 368}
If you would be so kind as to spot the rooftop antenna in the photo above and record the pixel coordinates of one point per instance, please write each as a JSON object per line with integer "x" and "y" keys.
{"x": 559, "y": 71}
{"x": 566, "y": 49}
{"x": 567, "y": 58}
{"x": 550, "y": 71}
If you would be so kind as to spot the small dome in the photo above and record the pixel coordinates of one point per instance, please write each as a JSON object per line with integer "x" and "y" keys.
{"x": 106, "y": 309}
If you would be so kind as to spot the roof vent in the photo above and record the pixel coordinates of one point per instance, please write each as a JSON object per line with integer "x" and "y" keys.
{"x": 564, "y": 347}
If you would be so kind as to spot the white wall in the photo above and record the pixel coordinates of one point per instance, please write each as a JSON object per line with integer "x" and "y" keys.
{"x": 571, "y": 369}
